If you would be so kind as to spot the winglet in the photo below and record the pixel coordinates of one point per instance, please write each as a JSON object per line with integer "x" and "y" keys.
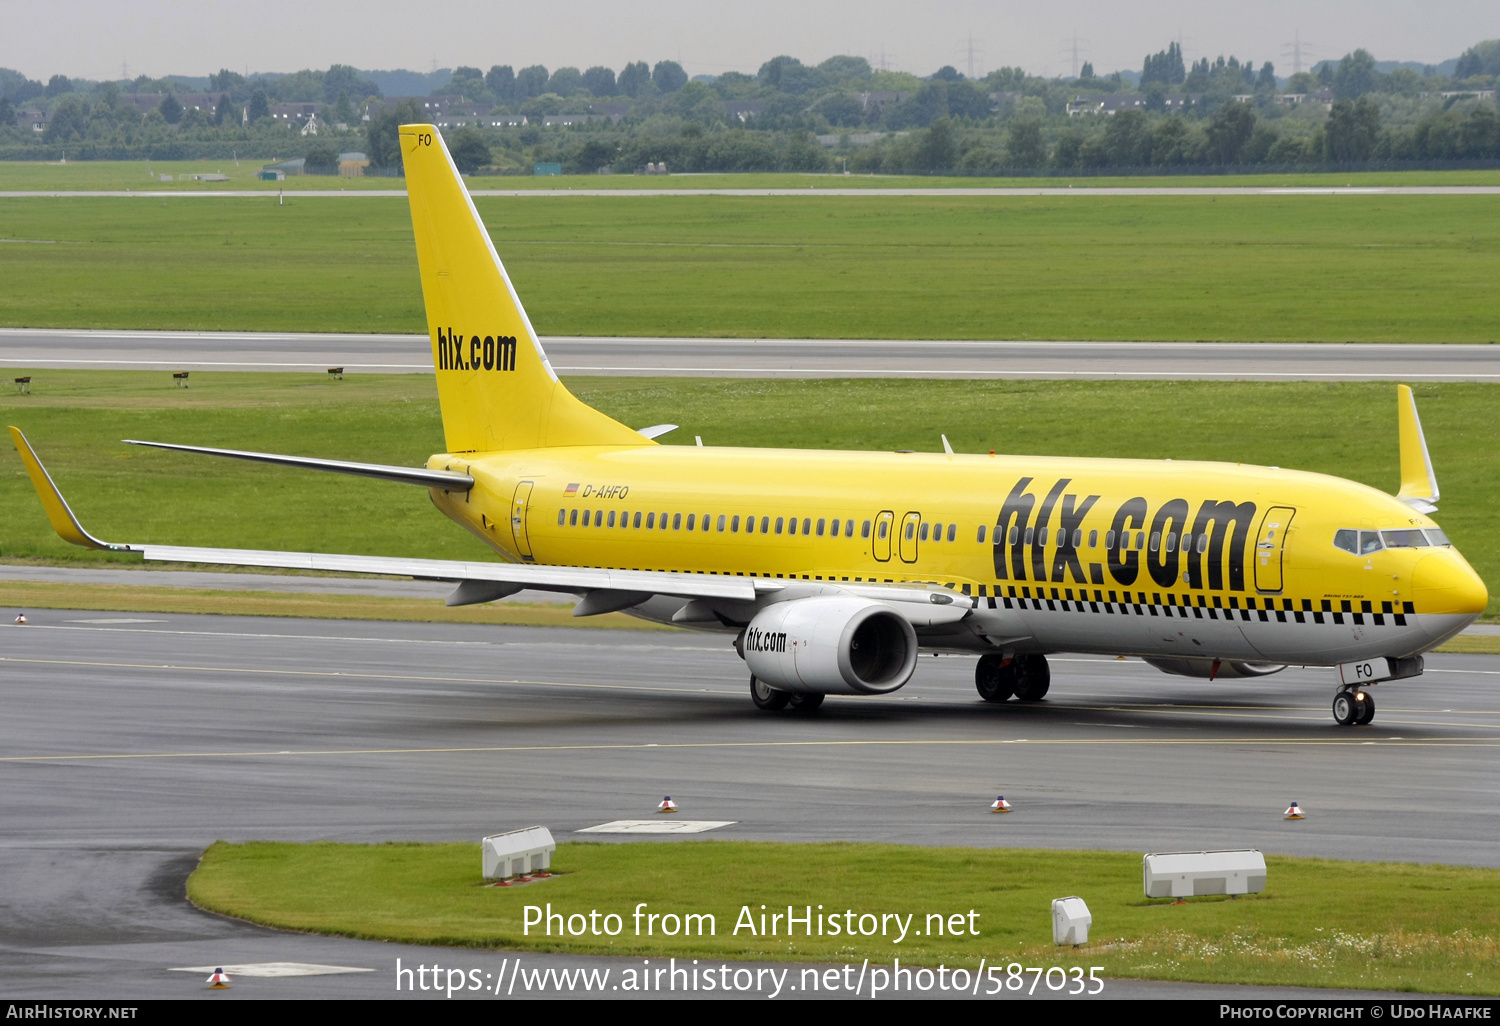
{"x": 1419, "y": 487}
{"x": 63, "y": 521}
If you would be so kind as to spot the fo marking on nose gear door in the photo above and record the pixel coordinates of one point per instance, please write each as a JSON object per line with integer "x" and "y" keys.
{"x": 910, "y": 524}
{"x": 518, "y": 507}
{"x": 1269, "y": 543}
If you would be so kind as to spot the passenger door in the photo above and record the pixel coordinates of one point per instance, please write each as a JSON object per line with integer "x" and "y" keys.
{"x": 1269, "y": 544}
{"x": 518, "y": 507}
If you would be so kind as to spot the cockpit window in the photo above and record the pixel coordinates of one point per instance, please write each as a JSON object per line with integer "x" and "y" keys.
{"x": 1346, "y": 539}
{"x": 1410, "y": 539}
{"x": 1437, "y": 537}
{"x": 1369, "y": 541}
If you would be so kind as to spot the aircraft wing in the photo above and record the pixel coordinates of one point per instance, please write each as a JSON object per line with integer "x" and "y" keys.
{"x": 602, "y": 590}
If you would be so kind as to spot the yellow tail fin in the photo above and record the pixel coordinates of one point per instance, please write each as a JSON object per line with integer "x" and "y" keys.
{"x": 495, "y": 386}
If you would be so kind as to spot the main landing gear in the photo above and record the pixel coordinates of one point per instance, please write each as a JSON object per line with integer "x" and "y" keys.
{"x": 1353, "y": 707}
{"x": 766, "y": 697}
{"x": 1027, "y": 677}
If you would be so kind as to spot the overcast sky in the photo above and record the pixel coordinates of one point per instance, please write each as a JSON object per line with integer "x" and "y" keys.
{"x": 94, "y": 38}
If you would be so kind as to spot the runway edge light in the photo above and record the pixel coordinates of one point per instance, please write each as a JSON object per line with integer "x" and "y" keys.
{"x": 667, "y": 805}
{"x": 1293, "y": 811}
{"x": 219, "y": 980}
{"x": 1000, "y": 804}
{"x": 1070, "y": 921}
{"x": 20, "y": 619}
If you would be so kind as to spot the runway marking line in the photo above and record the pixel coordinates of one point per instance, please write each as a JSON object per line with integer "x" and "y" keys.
{"x": 915, "y": 742}
{"x": 1239, "y": 711}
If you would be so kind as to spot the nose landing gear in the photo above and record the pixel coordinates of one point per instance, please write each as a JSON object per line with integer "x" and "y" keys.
{"x": 1353, "y": 707}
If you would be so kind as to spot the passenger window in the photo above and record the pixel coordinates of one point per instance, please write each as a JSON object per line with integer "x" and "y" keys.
{"x": 765, "y": 525}
{"x": 1412, "y": 539}
{"x": 806, "y": 525}
{"x": 691, "y": 517}
{"x": 981, "y": 534}
{"x": 779, "y": 522}
{"x": 1078, "y": 537}
{"x": 677, "y": 522}
{"x": 791, "y": 525}
{"x": 1062, "y": 537}
{"x": 864, "y": 532}
{"x": 562, "y": 518}
{"x": 1369, "y": 541}
{"x": 1202, "y": 543}
{"x": 611, "y": 518}
{"x": 833, "y": 528}
{"x": 1437, "y": 537}
{"x": 884, "y": 529}
{"x": 821, "y": 524}
{"x": 1171, "y": 542}
{"x": 1346, "y": 539}
{"x": 923, "y": 535}
{"x": 1093, "y": 539}
{"x": 911, "y": 529}
{"x": 573, "y": 518}
{"x": 650, "y": 521}
{"x": 1015, "y": 533}
{"x": 637, "y": 523}
{"x": 1155, "y": 540}
{"x": 1109, "y": 539}
{"x": 1030, "y": 532}
{"x": 952, "y": 531}
{"x": 1140, "y": 539}
{"x": 848, "y": 529}
{"x": 706, "y": 518}
{"x": 734, "y": 525}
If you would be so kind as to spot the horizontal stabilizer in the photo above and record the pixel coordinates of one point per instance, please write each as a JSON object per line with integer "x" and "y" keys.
{"x": 448, "y": 480}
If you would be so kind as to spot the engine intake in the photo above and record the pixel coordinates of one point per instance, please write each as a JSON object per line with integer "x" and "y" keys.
{"x": 831, "y": 644}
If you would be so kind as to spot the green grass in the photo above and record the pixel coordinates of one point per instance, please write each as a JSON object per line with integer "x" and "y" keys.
{"x": 1319, "y": 923}
{"x": 1289, "y": 268}
{"x": 140, "y": 175}
{"x": 75, "y": 419}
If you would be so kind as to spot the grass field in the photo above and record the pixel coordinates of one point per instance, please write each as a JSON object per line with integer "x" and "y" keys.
{"x": 1285, "y": 268}
{"x": 139, "y": 175}
{"x": 1319, "y": 923}
{"x": 75, "y": 419}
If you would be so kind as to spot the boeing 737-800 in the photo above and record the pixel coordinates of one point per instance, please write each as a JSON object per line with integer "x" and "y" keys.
{"x": 831, "y": 570}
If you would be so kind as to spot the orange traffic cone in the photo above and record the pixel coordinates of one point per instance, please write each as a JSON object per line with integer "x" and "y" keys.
{"x": 1000, "y": 804}
{"x": 1293, "y": 811}
{"x": 667, "y": 805}
{"x": 219, "y": 980}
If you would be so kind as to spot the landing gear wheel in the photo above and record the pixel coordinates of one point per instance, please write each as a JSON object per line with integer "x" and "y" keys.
{"x": 1366, "y": 709}
{"x": 1033, "y": 677}
{"x": 807, "y": 702}
{"x": 1345, "y": 709}
{"x": 766, "y": 697}
{"x": 994, "y": 678}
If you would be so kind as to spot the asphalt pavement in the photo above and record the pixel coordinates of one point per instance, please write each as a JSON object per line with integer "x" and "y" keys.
{"x": 128, "y": 742}
{"x": 37, "y": 349}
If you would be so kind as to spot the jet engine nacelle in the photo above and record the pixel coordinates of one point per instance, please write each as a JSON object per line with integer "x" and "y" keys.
{"x": 1189, "y": 666}
{"x": 831, "y": 644}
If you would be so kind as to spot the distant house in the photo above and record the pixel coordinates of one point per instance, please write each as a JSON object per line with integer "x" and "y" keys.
{"x": 353, "y": 164}
{"x": 35, "y": 120}
{"x": 147, "y": 102}
{"x": 296, "y": 112}
{"x": 572, "y": 119}
{"x": 743, "y": 110}
{"x": 1114, "y": 102}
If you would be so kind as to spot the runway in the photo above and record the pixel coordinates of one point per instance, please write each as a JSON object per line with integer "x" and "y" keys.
{"x": 130, "y": 741}
{"x": 817, "y": 189}
{"x": 36, "y": 349}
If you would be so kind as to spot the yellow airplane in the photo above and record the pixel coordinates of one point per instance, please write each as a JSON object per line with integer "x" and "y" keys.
{"x": 831, "y": 570}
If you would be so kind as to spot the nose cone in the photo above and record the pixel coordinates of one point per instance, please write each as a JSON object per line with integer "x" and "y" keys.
{"x": 1444, "y": 584}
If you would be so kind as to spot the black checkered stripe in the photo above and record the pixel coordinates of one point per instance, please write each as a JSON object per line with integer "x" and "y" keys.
{"x": 1183, "y": 607}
